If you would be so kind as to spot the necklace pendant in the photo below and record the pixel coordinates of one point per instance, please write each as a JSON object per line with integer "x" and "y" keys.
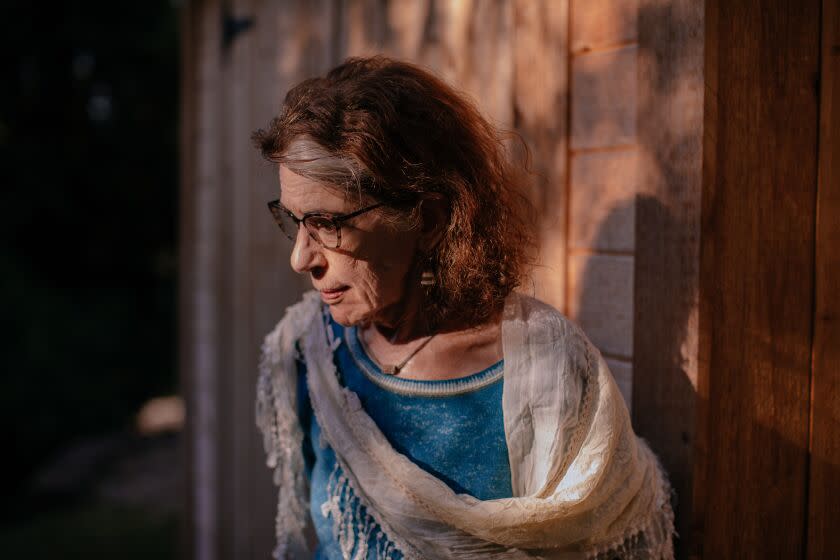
{"x": 390, "y": 370}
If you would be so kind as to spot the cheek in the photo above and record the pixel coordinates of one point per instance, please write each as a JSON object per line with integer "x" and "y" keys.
{"x": 377, "y": 273}
{"x": 379, "y": 284}
{"x": 376, "y": 283}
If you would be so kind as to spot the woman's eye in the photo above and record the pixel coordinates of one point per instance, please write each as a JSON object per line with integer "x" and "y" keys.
{"x": 320, "y": 223}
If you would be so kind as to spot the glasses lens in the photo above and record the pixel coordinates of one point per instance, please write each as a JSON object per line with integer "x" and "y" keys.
{"x": 284, "y": 221}
{"x": 322, "y": 230}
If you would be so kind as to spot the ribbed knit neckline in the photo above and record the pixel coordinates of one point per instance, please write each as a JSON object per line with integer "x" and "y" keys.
{"x": 418, "y": 387}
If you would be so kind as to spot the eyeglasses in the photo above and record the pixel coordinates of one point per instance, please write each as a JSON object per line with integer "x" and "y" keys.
{"x": 323, "y": 228}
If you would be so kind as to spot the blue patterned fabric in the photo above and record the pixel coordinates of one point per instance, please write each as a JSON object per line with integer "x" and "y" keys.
{"x": 452, "y": 429}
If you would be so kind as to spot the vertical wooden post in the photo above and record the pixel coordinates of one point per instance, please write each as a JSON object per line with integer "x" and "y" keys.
{"x": 670, "y": 124}
{"x": 200, "y": 261}
{"x": 186, "y": 274}
{"x": 236, "y": 437}
{"x": 756, "y": 276}
{"x": 824, "y": 487}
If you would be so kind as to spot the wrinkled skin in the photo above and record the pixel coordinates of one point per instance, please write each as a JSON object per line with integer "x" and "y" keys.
{"x": 373, "y": 281}
{"x": 372, "y": 264}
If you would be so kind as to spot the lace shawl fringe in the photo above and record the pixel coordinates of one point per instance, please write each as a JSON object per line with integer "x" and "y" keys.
{"x": 282, "y": 436}
{"x": 653, "y": 539}
{"x": 353, "y": 527}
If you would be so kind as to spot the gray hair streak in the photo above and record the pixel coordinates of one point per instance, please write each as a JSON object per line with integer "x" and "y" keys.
{"x": 309, "y": 159}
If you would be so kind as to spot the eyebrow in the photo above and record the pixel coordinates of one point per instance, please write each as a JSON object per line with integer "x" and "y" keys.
{"x": 315, "y": 211}
{"x": 322, "y": 211}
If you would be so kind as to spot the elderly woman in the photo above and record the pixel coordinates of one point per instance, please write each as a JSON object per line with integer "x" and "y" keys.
{"x": 414, "y": 405}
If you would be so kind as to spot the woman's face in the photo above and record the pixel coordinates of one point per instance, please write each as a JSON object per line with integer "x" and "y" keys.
{"x": 367, "y": 277}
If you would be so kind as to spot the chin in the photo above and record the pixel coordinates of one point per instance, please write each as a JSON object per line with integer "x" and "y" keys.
{"x": 345, "y": 315}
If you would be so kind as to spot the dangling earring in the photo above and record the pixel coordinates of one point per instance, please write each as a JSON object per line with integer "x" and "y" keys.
{"x": 427, "y": 278}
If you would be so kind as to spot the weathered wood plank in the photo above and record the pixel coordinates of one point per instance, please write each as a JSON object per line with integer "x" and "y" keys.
{"x": 602, "y": 198}
{"x": 756, "y": 281}
{"x": 186, "y": 264}
{"x": 824, "y": 486}
{"x": 235, "y": 508}
{"x": 670, "y": 124}
{"x": 540, "y": 94}
{"x": 604, "y": 99}
{"x": 602, "y": 23}
{"x": 601, "y": 301}
{"x": 467, "y": 43}
{"x": 202, "y": 259}
{"x": 477, "y": 54}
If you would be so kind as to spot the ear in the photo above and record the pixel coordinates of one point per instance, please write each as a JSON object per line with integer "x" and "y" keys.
{"x": 434, "y": 215}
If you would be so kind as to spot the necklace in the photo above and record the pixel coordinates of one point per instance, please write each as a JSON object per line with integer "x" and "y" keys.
{"x": 389, "y": 369}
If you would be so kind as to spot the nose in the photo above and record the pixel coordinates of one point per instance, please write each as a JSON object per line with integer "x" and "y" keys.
{"x": 306, "y": 253}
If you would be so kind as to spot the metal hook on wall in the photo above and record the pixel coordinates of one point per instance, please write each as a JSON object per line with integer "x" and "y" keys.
{"x": 233, "y": 26}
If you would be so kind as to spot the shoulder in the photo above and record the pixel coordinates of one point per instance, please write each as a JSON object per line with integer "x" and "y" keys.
{"x": 536, "y": 328}
{"x": 540, "y": 322}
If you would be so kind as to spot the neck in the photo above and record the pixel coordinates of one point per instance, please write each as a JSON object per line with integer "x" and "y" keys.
{"x": 410, "y": 321}
{"x": 456, "y": 349}
{"x": 405, "y": 321}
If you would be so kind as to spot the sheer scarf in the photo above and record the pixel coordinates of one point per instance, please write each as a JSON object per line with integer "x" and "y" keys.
{"x": 585, "y": 486}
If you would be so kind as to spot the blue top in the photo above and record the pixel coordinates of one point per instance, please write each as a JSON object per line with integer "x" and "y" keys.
{"x": 453, "y": 429}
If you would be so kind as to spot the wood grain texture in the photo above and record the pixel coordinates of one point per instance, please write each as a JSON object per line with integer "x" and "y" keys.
{"x": 602, "y": 198}
{"x": 598, "y": 24}
{"x": 234, "y": 437}
{"x": 202, "y": 258}
{"x": 540, "y": 101}
{"x": 824, "y": 487}
{"x": 667, "y": 232}
{"x": 757, "y": 272}
{"x": 469, "y": 43}
{"x": 601, "y": 301}
{"x": 604, "y": 99}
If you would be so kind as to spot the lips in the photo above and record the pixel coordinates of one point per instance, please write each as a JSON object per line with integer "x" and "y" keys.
{"x": 332, "y": 295}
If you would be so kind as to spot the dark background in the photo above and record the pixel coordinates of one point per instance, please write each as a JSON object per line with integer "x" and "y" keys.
{"x": 89, "y": 170}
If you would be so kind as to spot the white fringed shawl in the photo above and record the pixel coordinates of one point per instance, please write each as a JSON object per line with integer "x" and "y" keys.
{"x": 585, "y": 486}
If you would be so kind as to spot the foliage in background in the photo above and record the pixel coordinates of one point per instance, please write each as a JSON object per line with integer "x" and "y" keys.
{"x": 88, "y": 163}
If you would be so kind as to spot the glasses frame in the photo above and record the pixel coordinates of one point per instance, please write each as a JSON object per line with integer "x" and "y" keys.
{"x": 336, "y": 220}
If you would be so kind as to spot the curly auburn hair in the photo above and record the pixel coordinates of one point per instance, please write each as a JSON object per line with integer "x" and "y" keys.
{"x": 394, "y": 132}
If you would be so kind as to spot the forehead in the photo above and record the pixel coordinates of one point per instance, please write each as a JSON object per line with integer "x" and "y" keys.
{"x": 301, "y": 194}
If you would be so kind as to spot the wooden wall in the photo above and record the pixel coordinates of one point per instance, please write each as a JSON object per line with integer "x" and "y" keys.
{"x": 722, "y": 333}
{"x": 670, "y": 127}
{"x": 603, "y": 182}
{"x": 823, "y": 539}
{"x": 766, "y": 470}
{"x": 509, "y": 56}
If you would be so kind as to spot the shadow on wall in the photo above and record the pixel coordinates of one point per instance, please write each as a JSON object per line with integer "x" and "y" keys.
{"x": 604, "y": 307}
